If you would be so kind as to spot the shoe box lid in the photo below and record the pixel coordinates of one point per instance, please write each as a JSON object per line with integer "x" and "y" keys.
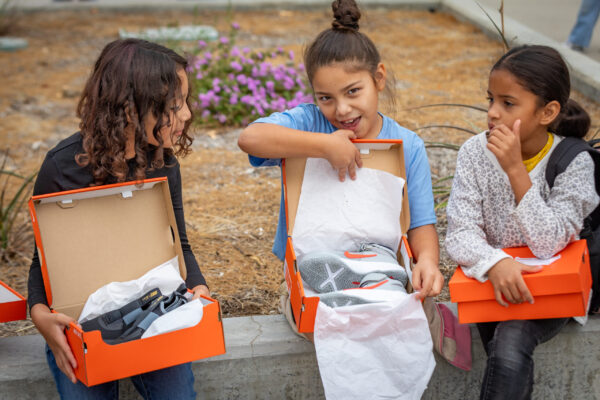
{"x": 13, "y": 305}
{"x": 560, "y": 289}
{"x": 90, "y": 237}
{"x": 382, "y": 154}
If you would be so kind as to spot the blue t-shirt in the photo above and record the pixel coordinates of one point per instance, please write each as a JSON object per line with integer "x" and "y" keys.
{"x": 308, "y": 117}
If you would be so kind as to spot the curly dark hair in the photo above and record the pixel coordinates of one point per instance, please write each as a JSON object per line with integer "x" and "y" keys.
{"x": 130, "y": 79}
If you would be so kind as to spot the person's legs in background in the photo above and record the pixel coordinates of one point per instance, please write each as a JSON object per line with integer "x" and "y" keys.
{"x": 581, "y": 34}
{"x": 509, "y": 346}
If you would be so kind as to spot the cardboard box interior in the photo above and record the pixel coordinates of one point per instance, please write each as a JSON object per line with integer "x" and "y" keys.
{"x": 93, "y": 237}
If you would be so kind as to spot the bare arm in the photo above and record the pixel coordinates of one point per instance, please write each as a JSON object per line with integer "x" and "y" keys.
{"x": 427, "y": 278}
{"x": 51, "y": 326}
{"x": 275, "y": 141}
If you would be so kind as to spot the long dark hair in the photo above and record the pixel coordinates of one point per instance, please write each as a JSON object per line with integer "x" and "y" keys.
{"x": 130, "y": 79}
{"x": 542, "y": 71}
{"x": 344, "y": 44}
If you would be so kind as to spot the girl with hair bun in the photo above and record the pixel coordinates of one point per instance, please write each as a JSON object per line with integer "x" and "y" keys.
{"x": 345, "y": 71}
{"x": 500, "y": 198}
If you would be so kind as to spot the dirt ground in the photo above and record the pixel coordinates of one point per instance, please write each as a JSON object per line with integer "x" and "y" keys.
{"x": 231, "y": 208}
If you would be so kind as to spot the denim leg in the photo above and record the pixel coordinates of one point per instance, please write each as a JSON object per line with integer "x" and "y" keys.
{"x": 581, "y": 34}
{"x": 175, "y": 383}
{"x": 69, "y": 390}
{"x": 509, "y": 370}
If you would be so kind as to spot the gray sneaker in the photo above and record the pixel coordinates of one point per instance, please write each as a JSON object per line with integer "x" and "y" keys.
{"x": 332, "y": 271}
{"x": 374, "y": 288}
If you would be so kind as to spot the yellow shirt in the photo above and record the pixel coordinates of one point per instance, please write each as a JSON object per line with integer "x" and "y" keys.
{"x": 533, "y": 161}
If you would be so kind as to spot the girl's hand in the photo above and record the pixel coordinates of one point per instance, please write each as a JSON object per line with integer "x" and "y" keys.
{"x": 505, "y": 144}
{"x": 52, "y": 327}
{"x": 200, "y": 290}
{"x": 427, "y": 279}
{"x": 343, "y": 156}
{"x": 507, "y": 278}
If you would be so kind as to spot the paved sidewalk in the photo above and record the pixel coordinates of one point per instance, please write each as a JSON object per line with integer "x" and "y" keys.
{"x": 552, "y": 18}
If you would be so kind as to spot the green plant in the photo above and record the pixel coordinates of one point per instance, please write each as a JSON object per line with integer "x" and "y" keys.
{"x": 499, "y": 29}
{"x": 12, "y": 199}
{"x": 232, "y": 85}
{"x": 441, "y": 187}
{"x": 8, "y": 17}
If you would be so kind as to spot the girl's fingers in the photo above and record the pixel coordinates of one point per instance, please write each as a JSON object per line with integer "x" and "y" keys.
{"x": 352, "y": 171}
{"x": 499, "y": 298}
{"x": 525, "y": 293}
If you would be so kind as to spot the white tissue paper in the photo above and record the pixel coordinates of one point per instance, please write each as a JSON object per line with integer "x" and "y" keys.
{"x": 374, "y": 351}
{"x": 184, "y": 316}
{"x": 342, "y": 215}
{"x": 116, "y": 294}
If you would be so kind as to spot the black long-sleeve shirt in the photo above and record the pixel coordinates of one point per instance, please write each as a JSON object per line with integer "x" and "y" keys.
{"x": 60, "y": 172}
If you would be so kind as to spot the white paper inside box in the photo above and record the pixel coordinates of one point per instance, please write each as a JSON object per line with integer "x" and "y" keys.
{"x": 383, "y": 155}
{"x": 91, "y": 237}
{"x": 13, "y": 305}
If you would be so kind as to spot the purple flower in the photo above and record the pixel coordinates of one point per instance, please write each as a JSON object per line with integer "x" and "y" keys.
{"x": 246, "y": 50}
{"x": 236, "y": 66}
{"x": 242, "y": 79}
{"x": 205, "y": 114}
{"x": 291, "y": 55}
{"x": 259, "y": 55}
{"x": 280, "y": 49}
{"x": 270, "y": 86}
{"x": 235, "y": 52}
{"x": 235, "y": 25}
{"x": 224, "y": 40}
{"x": 201, "y": 44}
{"x": 221, "y": 118}
{"x": 233, "y": 99}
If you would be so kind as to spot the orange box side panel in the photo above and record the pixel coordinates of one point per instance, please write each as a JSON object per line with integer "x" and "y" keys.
{"x": 13, "y": 310}
{"x": 556, "y": 306}
{"x": 99, "y": 362}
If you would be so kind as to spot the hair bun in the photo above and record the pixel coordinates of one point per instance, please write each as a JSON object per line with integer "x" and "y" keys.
{"x": 573, "y": 120}
{"x": 346, "y": 14}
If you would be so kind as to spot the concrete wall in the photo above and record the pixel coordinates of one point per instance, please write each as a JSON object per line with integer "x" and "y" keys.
{"x": 266, "y": 360}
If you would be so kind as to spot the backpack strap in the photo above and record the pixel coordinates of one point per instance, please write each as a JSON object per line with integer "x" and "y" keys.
{"x": 562, "y": 156}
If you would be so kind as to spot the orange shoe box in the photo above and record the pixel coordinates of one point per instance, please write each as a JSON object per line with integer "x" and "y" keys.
{"x": 561, "y": 289}
{"x": 90, "y": 237}
{"x": 13, "y": 306}
{"x": 385, "y": 155}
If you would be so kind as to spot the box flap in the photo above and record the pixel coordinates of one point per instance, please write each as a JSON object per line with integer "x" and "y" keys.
{"x": 384, "y": 155}
{"x": 99, "y": 235}
{"x": 565, "y": 275}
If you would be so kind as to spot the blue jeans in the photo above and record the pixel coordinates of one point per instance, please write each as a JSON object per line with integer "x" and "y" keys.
{"x": 175, "y": 383}
{"x": 581, "y": 34}
{"x": 509, "y": 346}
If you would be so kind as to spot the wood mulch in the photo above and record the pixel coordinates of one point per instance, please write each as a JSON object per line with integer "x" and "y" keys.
{"x": 231, "y": 208}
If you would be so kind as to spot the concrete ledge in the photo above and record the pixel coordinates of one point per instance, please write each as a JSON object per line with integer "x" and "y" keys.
{"x": 266, "y": 360}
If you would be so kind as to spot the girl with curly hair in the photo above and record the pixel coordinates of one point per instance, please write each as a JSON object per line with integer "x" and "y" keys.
{"x": 134, "y": 123}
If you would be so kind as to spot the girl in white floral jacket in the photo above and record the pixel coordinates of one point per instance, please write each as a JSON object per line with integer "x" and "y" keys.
{"x": 500, "y": 198}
